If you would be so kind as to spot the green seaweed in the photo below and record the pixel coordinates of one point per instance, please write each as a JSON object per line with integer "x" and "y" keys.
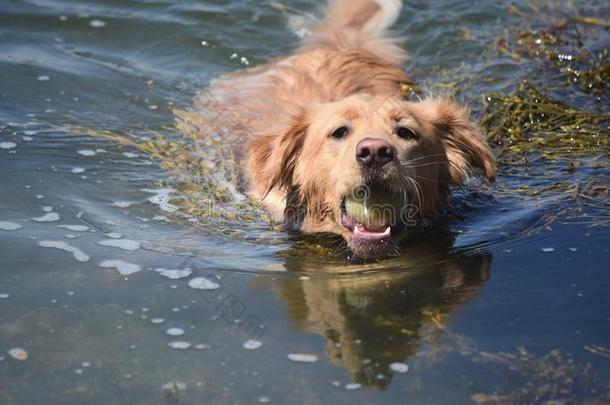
{"x": 561, "y": 46}
{"x": 566, "y": 39}
{"x": 205, "y": 174}
{"x": 550, "y": 379}
{"x": 527, "y": 122}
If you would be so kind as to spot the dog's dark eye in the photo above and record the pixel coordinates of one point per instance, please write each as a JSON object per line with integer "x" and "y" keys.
{"x": 406, "y": 133}
{"x": 340, "y": 133}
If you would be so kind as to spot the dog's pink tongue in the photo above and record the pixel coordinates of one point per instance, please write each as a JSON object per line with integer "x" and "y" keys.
{"x": 368, "y": 233}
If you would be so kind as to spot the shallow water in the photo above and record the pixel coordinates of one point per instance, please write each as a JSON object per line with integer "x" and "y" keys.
{"x": 513, "y": 291}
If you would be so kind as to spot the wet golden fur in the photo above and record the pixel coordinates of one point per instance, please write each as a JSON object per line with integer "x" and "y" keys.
{"x": 347, "y": 74}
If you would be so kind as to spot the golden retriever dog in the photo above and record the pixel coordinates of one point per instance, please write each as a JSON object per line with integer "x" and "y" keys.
{"x": 333, "y": 147}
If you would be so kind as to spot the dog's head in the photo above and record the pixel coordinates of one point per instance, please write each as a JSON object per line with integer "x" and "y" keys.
{"x": 367, "y": 167}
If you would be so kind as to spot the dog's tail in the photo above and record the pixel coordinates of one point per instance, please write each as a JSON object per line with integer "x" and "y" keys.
{"x": 361, "y": 24}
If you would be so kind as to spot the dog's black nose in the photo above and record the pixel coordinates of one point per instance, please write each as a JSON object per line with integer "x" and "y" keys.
{"x": 374, "y": 152}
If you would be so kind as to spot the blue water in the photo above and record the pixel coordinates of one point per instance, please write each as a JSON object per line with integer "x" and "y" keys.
{"x": 513, "y": 292}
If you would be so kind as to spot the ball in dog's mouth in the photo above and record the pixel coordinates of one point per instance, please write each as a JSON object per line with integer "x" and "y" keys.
{"x": 373, "y": 216}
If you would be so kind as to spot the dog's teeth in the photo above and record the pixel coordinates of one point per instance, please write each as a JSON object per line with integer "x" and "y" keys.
{"x": 388, "y": 231}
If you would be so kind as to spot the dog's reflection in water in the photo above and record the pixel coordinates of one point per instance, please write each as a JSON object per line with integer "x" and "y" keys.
{"x": 370, "y": 321}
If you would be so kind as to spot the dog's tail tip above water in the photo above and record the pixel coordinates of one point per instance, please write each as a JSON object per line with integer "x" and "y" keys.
{"x": 371, "y": 16}
{"x": 361, "y": 24}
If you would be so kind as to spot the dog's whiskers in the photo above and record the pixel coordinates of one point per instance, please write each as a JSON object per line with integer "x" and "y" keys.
{"x": 424, "y": 157}
{"x": 418, "y": 190}
{"x": 448, "y": 162}
{"x": 423, "y": 164}
{"x": 434, "y": 180}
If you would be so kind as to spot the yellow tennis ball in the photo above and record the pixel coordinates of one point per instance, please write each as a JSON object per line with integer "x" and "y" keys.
{"x": 377, "y": 208}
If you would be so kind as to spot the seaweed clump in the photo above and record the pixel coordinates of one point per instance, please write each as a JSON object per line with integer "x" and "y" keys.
{"x": 527, "y": 121}
{"x": 204, "y": 177}
{"x": 552, "y": 131}
{"x": 560, "y": 36}
{"x": 528, "y": 126}
{"x": 550, "y": 379}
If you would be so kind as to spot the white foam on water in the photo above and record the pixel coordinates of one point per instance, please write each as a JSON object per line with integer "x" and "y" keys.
{"x": 252, "y": 344}
{"x": 161, "y": 198}
{"x": 174, "y": 385}
{"x": 79, "y": 255}
{"x": 300, "y": 25}
{"x": 18, "y": 354}
{"x": 9, "y": 226}
{"x": 97, "y": 23}
{"x": 202, "y": 283}
{"x": 399, "y": 367}
{"x": 130, "y": 155}
{"x": 157, "y": 321}
{"x": 548, "y": 250}
{"x": 4, "y": 296}
{"x": 123, "y": 204}
{"x": 174, "y": 274}
{"x": 353, "y": 386}
{"x": 179, "y": 345}
{"x": 50, "y": 217}
{"x": 47, "y": 209}
{"x": 77, "y": 170}
{"x": 27, "y": 138}
{"x": 114, "y": 235}
{"x": 124, "y": 268}
{"x": 303, "y": 357}
{"x": 43, "y": 78}
{"x": 125, "y": 244}
{"x": 7, "y": 145}
{"x": 87, "y": 152}
{"x": 175, "y": 331}
{"x": 75, "y": 228}
{"x": 222, "y": 181}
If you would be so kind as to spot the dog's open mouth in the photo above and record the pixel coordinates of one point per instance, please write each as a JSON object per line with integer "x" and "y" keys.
{"x": 373, "y": 215}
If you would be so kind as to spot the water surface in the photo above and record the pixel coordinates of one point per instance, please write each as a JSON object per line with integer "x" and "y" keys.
{"x": 508, "y": 304}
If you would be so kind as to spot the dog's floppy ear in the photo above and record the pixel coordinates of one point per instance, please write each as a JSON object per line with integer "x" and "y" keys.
{"x": 465, "y": 146}
{"x": 273, "y": 157}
